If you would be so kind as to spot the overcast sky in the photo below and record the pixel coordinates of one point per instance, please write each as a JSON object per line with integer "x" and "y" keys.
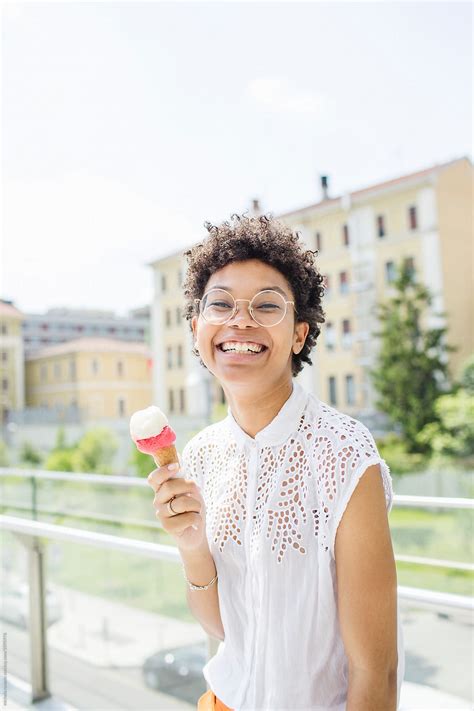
{"x": 126, "y": 125}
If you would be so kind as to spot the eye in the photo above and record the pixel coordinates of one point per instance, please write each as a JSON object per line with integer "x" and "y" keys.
{"x": 268, "y": 306}
{"x": 220, "y": 304}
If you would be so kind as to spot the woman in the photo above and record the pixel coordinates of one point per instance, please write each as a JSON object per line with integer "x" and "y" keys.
{"x": 307, "y": 620}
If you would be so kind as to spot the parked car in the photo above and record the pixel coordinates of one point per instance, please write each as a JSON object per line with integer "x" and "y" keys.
{"x": 178, "y": 671}
{"x": 15, "y": 605}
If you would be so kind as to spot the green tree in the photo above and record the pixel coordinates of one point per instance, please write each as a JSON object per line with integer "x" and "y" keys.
{"x": 142, "y": 463}
{"x": 452, "y": 435}
{"x": 29, "y": 455}
{"x": 411, "y": 365}
{"x": 95, "y": 451}
{"x": 60, "y": 460}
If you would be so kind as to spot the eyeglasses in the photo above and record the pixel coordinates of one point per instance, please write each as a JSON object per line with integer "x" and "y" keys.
{"x": 267, "y": 308}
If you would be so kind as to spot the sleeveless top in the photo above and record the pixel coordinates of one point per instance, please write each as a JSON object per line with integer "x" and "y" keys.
{"x": 273, "y": 505}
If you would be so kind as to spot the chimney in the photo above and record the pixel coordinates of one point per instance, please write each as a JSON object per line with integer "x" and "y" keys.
{"x": 324, "y": 186}
{"x": 256, "y": 206}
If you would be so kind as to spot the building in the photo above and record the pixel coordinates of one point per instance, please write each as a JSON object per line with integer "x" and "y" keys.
{"x": 12, "y": 392}
{"x": 97, "y": 377}
{"x": 59, "y": 325}
{"x": 425, "y": 218}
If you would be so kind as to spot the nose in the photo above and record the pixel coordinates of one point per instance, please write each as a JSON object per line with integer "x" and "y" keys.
{"x": 242, "y": 316}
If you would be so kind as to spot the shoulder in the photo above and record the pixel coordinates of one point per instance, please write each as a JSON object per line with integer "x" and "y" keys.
{"x": 340, "y": 428}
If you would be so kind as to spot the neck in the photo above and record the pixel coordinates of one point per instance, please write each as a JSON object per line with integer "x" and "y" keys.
{"x": 253, "y": 411}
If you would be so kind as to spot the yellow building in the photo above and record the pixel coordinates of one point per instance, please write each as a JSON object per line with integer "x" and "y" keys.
{"x": 102, "y": 378}
{"x": 424, "y": 217}
{"x": 12, "y": 388}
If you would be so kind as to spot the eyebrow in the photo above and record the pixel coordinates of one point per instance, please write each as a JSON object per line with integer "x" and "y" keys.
{"x": 273, "y": 288}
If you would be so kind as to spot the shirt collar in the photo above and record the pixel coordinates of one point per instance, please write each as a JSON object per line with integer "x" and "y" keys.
{"x": 283, "y": 424}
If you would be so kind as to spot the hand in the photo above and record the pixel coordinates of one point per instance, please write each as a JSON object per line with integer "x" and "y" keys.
{"x": 188, "y": 524}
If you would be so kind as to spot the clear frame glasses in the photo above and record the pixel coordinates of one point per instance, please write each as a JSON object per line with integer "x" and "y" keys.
{"x": 267, "y": 308}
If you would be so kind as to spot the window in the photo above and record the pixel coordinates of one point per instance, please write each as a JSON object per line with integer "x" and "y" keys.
{"x": 121, "y": 407}
{"x": 57, "y": 370}
{"x": 180, "y": 356}
{"x": 163, "y": 282}
{"x": 409, "y": 263}
{"x": 412, "y": 217}
{"x": 120, "y": 368}
{"x": 345, "y": 235}
{"x": 332, "y": 390}
{"x": 4, "y": 329}
{"x": 72, "y": 369}
{"x": 182, "y": 400}
{"x": 170, "y": 401}
{"x": 112, "y": 329}
{"x": 380, "y": 226}
{"x": 343, "y": 283}
{"x": 169, "y": 358}
{"x": 168, "y": 317}
{"x": 178, "y": 315}
{"x": 330, "y": 336}
{"x": 4, "y": 384}
{"x": 390, "y": 272}
{"x": 350, "y": 390}
{"x": 43, "y": 373}
{"x": 346, "y": 333}
{"x": 180, "y": 277}
{"x": 4, "y": 356}
{"x": 44, "y": 327}
{"x": 319, "y": 241}
{"x": 95, "y": 366}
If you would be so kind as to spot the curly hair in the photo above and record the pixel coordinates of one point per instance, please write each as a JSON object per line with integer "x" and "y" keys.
{"x": 272, "y": 242}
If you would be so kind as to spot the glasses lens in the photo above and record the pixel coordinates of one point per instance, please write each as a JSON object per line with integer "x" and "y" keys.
{"x": 217, "y": 306}
{"x": 268, "y": 308}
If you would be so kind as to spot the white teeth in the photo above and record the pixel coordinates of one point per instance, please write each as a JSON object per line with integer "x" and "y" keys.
{"x": 241, "y": 347}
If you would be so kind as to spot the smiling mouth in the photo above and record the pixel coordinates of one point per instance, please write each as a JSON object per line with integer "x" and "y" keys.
{"x": 235, "y": 352}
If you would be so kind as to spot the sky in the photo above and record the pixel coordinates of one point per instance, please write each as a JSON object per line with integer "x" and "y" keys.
{"x": 125, "y": 126}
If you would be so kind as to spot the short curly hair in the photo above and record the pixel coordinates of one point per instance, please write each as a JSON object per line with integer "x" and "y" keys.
{"x": 272, "y": 242}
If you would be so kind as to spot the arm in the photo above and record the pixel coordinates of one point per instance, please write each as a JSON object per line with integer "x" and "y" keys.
{"x": 367, "y": 597}
{"x": 204, "y": 604}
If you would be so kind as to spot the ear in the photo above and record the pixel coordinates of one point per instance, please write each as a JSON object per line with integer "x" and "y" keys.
{"x": 194, "y": 325}
{"x": 299, "y": 338}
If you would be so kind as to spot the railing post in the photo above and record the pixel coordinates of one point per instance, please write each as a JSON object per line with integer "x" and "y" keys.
{"x": 37, "y": 618}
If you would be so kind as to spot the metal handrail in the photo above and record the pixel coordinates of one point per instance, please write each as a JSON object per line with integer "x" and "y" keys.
{"x": 402, "y": 500}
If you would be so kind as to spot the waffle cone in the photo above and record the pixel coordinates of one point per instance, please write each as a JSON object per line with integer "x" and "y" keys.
{"x": 165, "y": 455}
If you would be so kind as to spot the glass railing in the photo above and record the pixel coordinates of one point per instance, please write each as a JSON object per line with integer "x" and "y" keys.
{"x": 119, "y": 630}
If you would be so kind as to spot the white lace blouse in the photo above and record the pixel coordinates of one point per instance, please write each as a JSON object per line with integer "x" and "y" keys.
{"x": 273, "y": 505}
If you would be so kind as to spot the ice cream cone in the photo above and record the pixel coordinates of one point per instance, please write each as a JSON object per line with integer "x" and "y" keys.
{"x": 165, "y": 455}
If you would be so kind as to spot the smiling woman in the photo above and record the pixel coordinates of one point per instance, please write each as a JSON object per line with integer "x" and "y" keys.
{"x": 279, "y": 478}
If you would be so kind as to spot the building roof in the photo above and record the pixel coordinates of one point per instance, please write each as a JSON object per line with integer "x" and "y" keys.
{"x": 377, "y": 187}
{"x": 9, "y": 311}
{"x": 92, "y": 345}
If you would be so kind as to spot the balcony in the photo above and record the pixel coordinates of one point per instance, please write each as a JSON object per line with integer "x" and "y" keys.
{"x": 101, "y": 621}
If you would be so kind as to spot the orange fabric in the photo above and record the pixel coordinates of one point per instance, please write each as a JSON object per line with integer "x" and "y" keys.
{"x": 210, "y": 702}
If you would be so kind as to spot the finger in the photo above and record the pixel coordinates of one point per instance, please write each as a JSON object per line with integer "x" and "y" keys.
{"x": 158, "y": 476}
{"x": 182, "y": 504}
{"x": 176, "y": 487}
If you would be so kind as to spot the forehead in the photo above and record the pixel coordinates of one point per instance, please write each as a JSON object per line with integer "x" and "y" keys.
{"x": 250, "y": 275}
